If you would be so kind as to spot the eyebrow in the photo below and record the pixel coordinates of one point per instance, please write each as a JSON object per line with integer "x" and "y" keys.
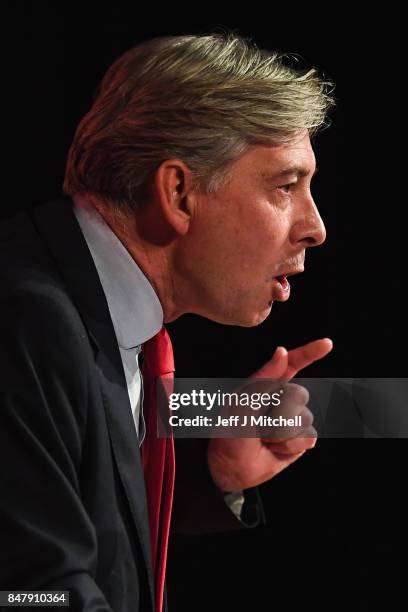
{"x": 291, "y": 170}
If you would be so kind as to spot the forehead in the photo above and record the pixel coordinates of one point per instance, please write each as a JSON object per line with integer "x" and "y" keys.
{"x": 270, "y": 163}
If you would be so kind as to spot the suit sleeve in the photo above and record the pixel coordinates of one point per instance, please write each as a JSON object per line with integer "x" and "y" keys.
{"x": 48, "y": 540}
{"x": 199, "y": 506}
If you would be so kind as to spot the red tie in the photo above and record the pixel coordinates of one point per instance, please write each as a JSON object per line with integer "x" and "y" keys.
{"x": 157, "y": 456}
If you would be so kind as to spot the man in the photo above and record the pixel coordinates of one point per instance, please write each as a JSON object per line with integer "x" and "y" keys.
{"x": 187, "y": 190}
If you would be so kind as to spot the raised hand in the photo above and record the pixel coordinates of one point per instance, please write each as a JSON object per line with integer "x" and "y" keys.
{"x": 240, "y": 463}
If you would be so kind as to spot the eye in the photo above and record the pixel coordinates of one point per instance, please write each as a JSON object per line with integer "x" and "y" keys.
{"x": 286, "y": 188}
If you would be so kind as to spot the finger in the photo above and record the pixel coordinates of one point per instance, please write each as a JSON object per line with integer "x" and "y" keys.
{"x": 286, "y": 460}
{"x": 275, "y": 367}
{"x": 303, "y": 356}
{"x": 306, "y": 440}
{"x": 294, "y": 396}
{"x": 292, "y": 447}
{"x": 289, "y": 433}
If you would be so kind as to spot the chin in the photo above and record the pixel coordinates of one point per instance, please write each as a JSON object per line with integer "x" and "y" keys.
{"x": 264, "y": 314}
{"x": 255, "y": 318}
{"x": 249, "y": 318}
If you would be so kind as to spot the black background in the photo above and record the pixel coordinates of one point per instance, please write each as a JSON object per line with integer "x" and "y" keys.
{"x": 336, "y": 518}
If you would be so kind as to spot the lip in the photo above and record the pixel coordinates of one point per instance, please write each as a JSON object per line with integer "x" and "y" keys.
{"x": 281, "y": 285}
{"x": 280, "y": 291}
{"x": 290, "y": 272}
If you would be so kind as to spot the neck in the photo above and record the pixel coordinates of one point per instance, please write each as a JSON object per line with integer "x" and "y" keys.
{"x": 153, "y": 258}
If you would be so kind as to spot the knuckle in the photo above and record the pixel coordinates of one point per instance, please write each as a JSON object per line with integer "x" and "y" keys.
{"x": 307, "y": 417}
{"x": 298, "y": 393}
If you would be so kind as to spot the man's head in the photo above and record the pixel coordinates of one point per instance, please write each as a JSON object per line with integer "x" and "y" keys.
{"x": 187, "y": 141}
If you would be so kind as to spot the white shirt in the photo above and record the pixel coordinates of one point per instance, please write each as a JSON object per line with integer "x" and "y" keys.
{"x": 134, "y": 307}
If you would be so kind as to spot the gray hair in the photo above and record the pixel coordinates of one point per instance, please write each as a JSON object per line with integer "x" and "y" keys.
{"x": 202, "y": 99}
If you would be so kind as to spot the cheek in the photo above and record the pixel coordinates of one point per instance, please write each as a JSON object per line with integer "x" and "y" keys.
{"x": 262, "y": 242}
{"x": 241, "y": 241}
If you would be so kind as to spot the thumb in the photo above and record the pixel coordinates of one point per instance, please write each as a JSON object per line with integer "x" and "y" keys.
{"x": 275, "y": 367}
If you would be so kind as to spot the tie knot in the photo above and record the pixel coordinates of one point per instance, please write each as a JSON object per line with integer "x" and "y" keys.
{"x": 158, "y": 354}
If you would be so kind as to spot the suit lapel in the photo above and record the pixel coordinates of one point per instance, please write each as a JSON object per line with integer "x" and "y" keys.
{"x": 57, "y": 225}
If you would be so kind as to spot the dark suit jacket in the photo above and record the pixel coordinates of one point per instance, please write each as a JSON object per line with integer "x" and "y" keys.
{"x": 72, "y": 496}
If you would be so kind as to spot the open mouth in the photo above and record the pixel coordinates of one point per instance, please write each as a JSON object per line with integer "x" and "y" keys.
{"x": 280, "y": 288}
{"x": 281, "y": 285}
{"x": 283, "y": 280}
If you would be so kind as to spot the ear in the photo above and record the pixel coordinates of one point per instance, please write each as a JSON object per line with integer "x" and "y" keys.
{"x": 172, "y": 185}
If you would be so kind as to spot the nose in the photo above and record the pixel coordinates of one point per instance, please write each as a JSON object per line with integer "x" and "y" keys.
{"x": 308, "y": 228}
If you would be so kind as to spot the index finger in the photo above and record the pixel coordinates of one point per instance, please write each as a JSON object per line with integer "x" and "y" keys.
{"x": 303, "y": 356}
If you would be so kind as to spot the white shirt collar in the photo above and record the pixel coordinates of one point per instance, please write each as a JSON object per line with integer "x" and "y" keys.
{"x": 134, "y": 306}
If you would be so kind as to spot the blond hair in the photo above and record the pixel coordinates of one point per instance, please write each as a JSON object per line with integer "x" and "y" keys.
{"x": 202, "y": 99}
